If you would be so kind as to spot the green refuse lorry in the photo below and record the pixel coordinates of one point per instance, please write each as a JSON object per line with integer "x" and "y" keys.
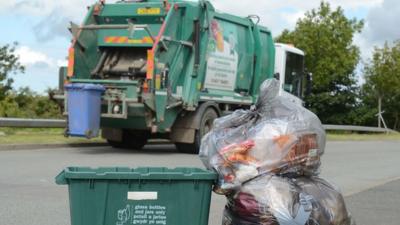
{"x": 169, "y": 68}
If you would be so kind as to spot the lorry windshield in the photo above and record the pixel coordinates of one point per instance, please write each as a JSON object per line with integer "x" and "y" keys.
{"x": 294, "y": 73}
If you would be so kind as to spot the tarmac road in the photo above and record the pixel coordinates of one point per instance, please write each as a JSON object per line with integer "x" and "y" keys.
{"x": 367, "y": 172}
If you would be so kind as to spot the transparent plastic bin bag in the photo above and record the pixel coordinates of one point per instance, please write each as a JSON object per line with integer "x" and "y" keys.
{"x": 274, "y": 200}
{"x": 274, "y": 136}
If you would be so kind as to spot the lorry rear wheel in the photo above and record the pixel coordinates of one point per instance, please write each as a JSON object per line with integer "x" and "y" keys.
{"x": 206, "y": 124}
{"x": 131, "y": 140}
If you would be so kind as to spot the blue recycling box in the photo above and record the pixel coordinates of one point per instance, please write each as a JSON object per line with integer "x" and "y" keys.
{"x": 84, "y": 109}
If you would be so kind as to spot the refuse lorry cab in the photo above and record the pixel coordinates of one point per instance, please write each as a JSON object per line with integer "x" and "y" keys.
{"x": 169, "y": 68}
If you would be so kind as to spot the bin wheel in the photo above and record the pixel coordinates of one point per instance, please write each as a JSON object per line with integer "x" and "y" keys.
{"x": 131, "y": 140}
{"x": 206, "y": 124}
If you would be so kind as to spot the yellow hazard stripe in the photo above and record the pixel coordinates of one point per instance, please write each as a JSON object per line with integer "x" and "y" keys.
{"x": 122, "y": 40}
{"x": 126, "y": 40}
{"x": 148, "y": 40}
{"x": 109, "y": 39}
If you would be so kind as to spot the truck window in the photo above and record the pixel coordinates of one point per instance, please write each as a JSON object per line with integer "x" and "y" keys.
{"x": 294, "y": 73}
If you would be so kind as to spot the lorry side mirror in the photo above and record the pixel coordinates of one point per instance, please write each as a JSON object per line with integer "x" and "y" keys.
{"x": 308, "y": 84}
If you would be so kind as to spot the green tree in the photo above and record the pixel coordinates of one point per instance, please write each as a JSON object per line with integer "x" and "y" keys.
{"x": 326, "y": 37}
{"x": 24, "y": 102}
{"x": 382, "y": 87}
{"x": 9, "y": 108}
{"x": 28, "y": 104}
{"x": 9, "y": 63}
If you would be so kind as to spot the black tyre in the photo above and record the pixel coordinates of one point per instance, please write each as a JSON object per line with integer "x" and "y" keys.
{"x": 206, "y": 124}
{"x": 131, "y": 140}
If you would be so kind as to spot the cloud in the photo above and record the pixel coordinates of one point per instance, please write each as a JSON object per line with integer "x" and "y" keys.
{"x": 70, "y": 8}
{"x": 380, "y": 26}
{"x": 53, "y": 16}
{"x": 292, "y": 18}
{"x": 382, "y": 21}
{"x": 279, "y": 15}
{"x": 4, "y": 5}
{"x": 61, "y": 63}
{"x": 41, "y": 70}
{"x": 35, "y": 8}
{"x": 366, "y": 47}
{"x": 354, "y": 4}
{"x": 36, "y": 59}
{"x": 31, "y": 58}
{"x": 52, "y": 26}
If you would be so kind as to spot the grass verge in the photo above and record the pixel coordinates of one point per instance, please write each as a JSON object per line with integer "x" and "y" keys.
{"x": 362, "y": 137}
{"x": 15, "y": 136}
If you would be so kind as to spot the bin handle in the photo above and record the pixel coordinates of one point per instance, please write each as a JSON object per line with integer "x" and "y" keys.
{"x": 61, "y": 179}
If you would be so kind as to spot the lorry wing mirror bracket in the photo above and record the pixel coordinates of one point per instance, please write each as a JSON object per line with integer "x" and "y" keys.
{"x": 308, "y": 84}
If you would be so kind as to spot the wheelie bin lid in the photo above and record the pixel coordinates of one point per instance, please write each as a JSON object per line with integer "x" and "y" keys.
{"x": 83, "y": 86}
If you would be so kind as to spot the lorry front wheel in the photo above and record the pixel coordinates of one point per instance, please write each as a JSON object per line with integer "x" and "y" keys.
{"x": 205, "y": 126}
{"x": 131, "y": 140}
